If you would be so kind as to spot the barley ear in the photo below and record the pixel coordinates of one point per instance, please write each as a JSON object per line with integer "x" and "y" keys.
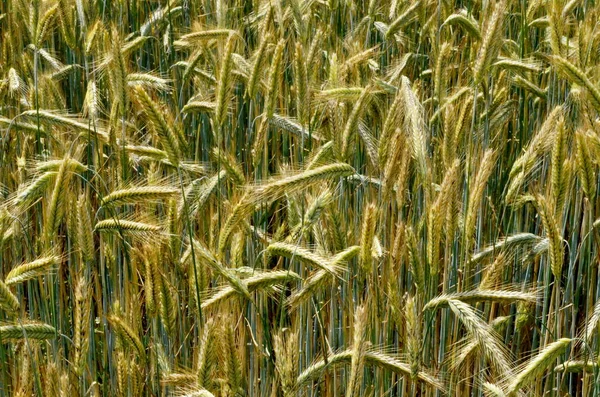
{"x": 537, "y": 365}
{"x": 224, "y": 87}
{"x": 369, "y": 225}
{"x": 359, "y": 346}
{"x": 7, "y": 299}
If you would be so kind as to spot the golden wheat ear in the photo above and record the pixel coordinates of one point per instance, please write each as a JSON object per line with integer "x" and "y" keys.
{"x": 285, "y": 346}
{"x": 138, "y": 194}
{"x": 159, "y": 124}
{"x": 127, "y": 335}
{"x": 7, "y": 299}
{"x": 31, "y": 270}
{"x": 537, "y": 365}
{"x": 495, "y": 352}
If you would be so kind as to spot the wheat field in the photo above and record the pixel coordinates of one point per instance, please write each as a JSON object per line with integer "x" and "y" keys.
{"x": 299, "y": 198}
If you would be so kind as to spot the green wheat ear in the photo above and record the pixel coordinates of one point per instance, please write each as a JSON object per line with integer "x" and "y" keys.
{"x": 31, "y": 330}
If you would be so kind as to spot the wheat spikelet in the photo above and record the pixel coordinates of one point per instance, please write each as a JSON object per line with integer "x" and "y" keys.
{"x": 578, "y": 76}
{"x": 125, "y": 225}
{"x": 81, "y": 319}
{"x": 231, "y": 165}
{"x": 465, "y": 21}
{"x": 498, "y": 325}
{"x": 15, "y": 83}
{"x": 585, "y": 167}
{"x": 34, "y": 189}
{"x": 178, "y": 379}
{"x": 199, "y": 106}
{"x": 359, "y": 346}
{"x": 479, "y": 295}
{"x": 302, "y": 180}
{"x": 554, "y": 235}
{"x": 313, "y": 213}
{"x": 197, "y": 194}
{"x": 127, "y": 335}
{"x": 537, "y": 365}
{"x": 289, "y": 125}
{"x": 577, "y": 366}
{"x": 224, "y": 85}
{"x": 516, "y": 240}
{"x": 196, "y": 393}
{"x": 439, "y": 84}
{"x": 492, "y": 390}
{"x": 260, "y": 281}
{"x": 205, "y": 355}
{"x": 593, "y": 319}
{"x": 190, "y": 66}
{"x": 559, "y": 180}
{"x": 32, "y": 330}
{"x": 206, "y": 35}
{"x": 150, "y": 293}
{"x": 286, "y": 364}
{"x": 486, "y": 338}
{"x": 241, "y": 210}
{"x": 21, "y": 126}
{"x": 366, "y": 238}
{"x": 148, "y": 80}
{"x": 490, "y": 42}
{"x": 416, "y": 266}
{"x": 476, "y": 192}
{"x": 118, "y": 74}
{"x": 160, "y": 125}
{"x": 323, "y": 155}
{"x": 389, "y": 128}
{"x": 84, "y": 229}
{"x": 381, "y": 360}
{"x": 413, "y": 333}
{"x": 437, "y": 214}
{"x": 137, "y": 194}
{"x": 318, "y": 279}
{"x": 56, "y": 204}
{"x": 351, "y": 123}
{"x": 517, "y": 65}
{"x": 46, "y": 23}
{"x": 313, "y": 51}
{"x": 403, "y": 19}
{"x": 66, "y": 23}
{"x": 555, "y": 26}
{"x": 54, "y": 165}
{"x": 493, "y": 272}
{"x": 205, "y": 255}
{"x": 232, "y": 361}
{"x": 167, "y": 301}
{"x": 7, "y": 299}
{"x": 414, "y": 124}
{"x": 158, "y": 17}
{"x": 340, "y": 94}
{"x": 271, "y": 96}
{"x": 31, "y": 270}
{"x": 293, "y": 251}
{"x": 92, "y": 37}
{"x": 302, "y": 91}
{"x": 254, "y": 78}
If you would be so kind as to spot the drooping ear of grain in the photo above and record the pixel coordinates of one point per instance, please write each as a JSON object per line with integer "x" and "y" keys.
{"x": 537, "y": 365}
